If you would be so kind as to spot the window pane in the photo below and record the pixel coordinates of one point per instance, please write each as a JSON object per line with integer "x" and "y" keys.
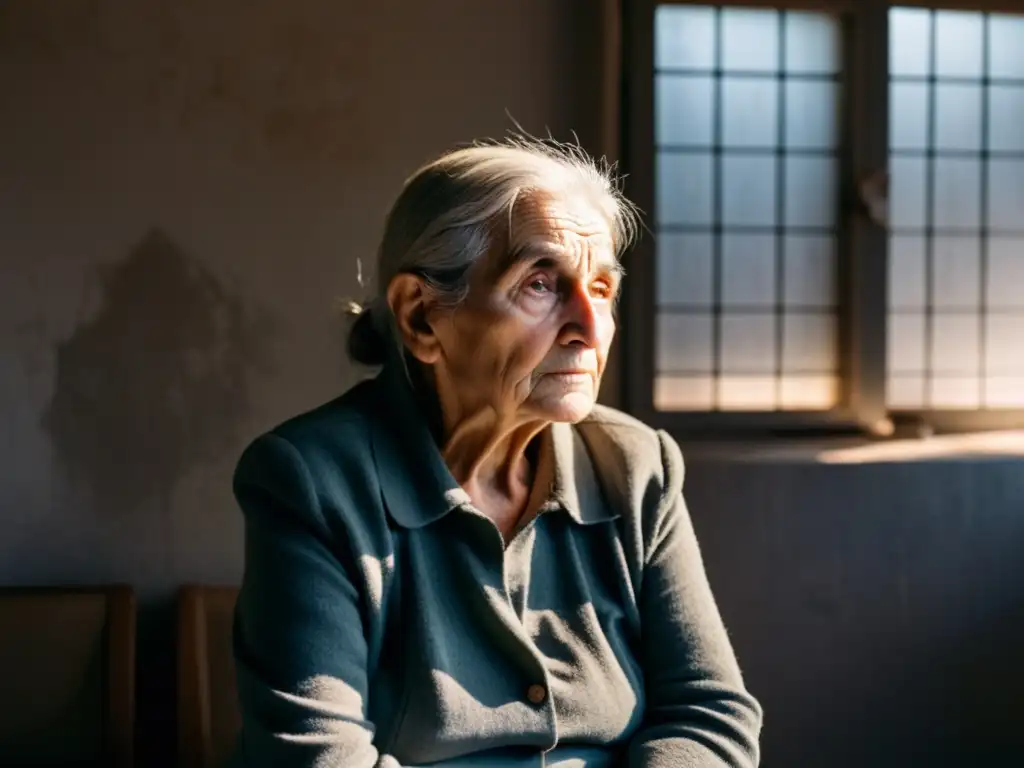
{"x": 748, "y": 343}
{"x": 750, "y": 40}
{"x": 958, "y": 44}
{"x": 749, "y": 112}
{"x": 906, "y": 344}
{"x": 684, "y": 269}
{"x": 906, "y": 188}
{"x": 1006, "y": 118}
{"x": 909, "y": 41}
{"x": 810, "y": 191}
{"x": 955, "y": 344}
{"x": 812, "y": 110}
{"x": 808, "y": 343}
{"x": 905, "y": 392}
{"x": 1004, "y": 344}
{"x": 810, "y": 393}
{"x": 810, "y": 269}
{"x": 955, "y": 392}
{"x": 1006, "y": 273}
{"x": 748, "y": 190}
{"x": 684, "y": 342}
{"x": 1005, "y": 52}
{"x": 683, "y": 108}
{"x": 748, "y": 270}
{"x": 1006, "y": 194}
{"x": 684, "y": 393}
{"x": 956, "y": 193}
{"x": 684, "y": 189}
{"x": 812, "y": 42}
{"x": 908, "y": 116}
{"x": 956, "y": 273}
{"x": 1004, "y": 392}
{"x": 907, "y": 280}
{"x": 957, "y": 116}
{"x": 746, "y": 393}
{"x": 684, "y": 37}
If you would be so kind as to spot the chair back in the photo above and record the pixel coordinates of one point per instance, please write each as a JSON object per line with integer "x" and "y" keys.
{"x": 67, "y": 662}
{"x": 208, "y": 716}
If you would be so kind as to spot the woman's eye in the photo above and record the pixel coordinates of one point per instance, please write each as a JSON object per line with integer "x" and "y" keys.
{"x": 602, "y": 289}
{"x": 539, "y": 285}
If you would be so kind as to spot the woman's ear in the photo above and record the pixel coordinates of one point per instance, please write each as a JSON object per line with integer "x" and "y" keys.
{"x": 411, "y": 304}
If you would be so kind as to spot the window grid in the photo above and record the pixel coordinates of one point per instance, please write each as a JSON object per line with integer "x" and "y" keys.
{"x": 933, "y": 232}
{"x": 929, "y": 211}
{"x": 983, "y": 235}
{"x": 716, "y": 217}
{"x": 778, "y": 311}
{"x": 780, "y": 217}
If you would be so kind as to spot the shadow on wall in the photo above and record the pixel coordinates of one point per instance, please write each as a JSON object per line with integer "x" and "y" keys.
{"x": 157, "y": 382}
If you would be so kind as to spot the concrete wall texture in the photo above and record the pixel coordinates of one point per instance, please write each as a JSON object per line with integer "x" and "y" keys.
{"x": 186, "y": 190}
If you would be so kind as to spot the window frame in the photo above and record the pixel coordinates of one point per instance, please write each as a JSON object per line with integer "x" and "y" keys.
{"x": 863, "y": 311}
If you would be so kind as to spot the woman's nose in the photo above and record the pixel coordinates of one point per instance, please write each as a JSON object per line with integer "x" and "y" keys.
{"x": 581, "y": 321}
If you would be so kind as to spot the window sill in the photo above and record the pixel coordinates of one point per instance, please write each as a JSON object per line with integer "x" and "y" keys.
{"x": 972, "y": 447}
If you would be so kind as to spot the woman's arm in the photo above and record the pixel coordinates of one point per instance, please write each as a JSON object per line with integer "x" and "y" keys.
{"x": 300, "y": 649}
{"x": 698, "y": 713}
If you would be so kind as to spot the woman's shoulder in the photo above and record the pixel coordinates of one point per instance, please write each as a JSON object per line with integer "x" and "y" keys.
{"x": 640, "y": 447}
{"x": 315, "y": 477}
{"x": 639, "y": 466}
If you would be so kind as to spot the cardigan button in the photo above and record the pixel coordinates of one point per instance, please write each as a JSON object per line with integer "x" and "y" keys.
{"x": 537, "y": 694}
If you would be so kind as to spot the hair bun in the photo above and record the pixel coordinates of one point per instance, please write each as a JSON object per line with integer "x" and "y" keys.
{"x": 366, "y": 345}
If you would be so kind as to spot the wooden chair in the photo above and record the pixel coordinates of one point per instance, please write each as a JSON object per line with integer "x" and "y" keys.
{"x": 208, "y": 715}
{"x": 67, "y": 666}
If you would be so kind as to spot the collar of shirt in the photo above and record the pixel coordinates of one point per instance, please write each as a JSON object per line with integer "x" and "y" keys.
{"x": 418, "y": 488}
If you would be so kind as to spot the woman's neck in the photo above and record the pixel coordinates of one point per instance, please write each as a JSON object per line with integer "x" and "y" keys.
{"x": 496, "y": 469}
{"x": 490, "y": 454}
{"x": 483, "y": 452}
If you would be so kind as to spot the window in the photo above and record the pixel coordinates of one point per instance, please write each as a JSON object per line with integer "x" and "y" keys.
{"x": 956, "y": 243}
{"x": 746, "y": 219}
{"x": 776, "y": 292}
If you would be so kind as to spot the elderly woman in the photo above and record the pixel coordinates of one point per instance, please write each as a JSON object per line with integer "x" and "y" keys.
{"x": 464, "y": 561}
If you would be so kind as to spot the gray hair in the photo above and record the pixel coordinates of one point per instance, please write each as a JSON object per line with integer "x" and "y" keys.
{"x": 450, "y": 210}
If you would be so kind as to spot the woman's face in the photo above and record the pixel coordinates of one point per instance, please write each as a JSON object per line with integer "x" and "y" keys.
{"x": 531, "y": 340}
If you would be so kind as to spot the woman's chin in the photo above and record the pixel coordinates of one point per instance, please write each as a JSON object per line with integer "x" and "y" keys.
{"x": 570, "y": 407}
